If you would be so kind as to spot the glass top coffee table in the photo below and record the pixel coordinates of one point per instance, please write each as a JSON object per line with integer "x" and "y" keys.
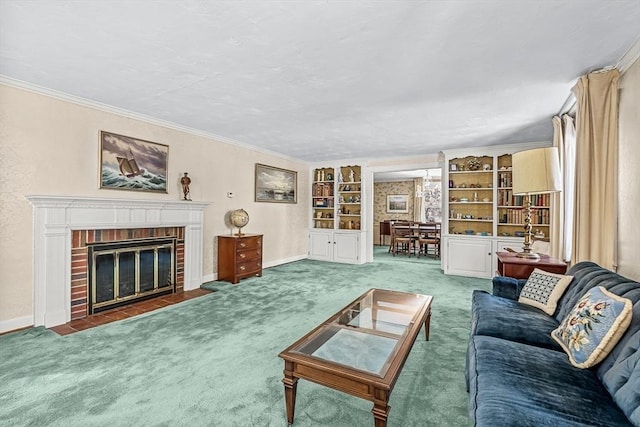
{"x": 360, "y": 350}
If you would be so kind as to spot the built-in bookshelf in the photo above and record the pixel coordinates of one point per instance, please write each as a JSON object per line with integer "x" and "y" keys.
{"x": 323, "y": 199}
{"x": 482, "y": 216}
{"x": 510, "y": 210}
{"x": 470, "y": 204}
{"x": 337, "y": 232}
{"x": 337, "y": 198}
{"x": 349, "y": 195}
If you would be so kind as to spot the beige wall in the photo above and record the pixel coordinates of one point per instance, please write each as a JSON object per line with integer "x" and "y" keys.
{"x": 629, "y": 173}
{"x": 380, "y": 192}
{"x": 49, "y": 146}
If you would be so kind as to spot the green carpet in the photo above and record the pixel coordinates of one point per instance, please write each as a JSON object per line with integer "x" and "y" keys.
{"x": 212, "y": 361}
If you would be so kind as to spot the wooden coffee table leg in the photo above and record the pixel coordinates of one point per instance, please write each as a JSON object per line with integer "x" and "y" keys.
{"x": 290, "y": 385}
{"x": 427, "y": 325}
{"x": 380, "y": 408}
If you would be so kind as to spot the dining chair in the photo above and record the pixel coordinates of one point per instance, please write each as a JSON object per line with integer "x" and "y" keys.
{"x": 429, "y": 239}
{"x": 401, "y": 238}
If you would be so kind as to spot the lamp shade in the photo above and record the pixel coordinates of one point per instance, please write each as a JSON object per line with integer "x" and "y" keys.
{"x": 536, "y": 171}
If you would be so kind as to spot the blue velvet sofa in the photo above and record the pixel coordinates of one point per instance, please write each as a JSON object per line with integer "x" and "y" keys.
{"x": 517, "y": 375}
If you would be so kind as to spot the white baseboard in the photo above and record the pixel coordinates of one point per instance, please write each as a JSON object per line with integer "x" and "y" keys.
{"x": 15, "y": 324}
{"x": 285, "y": 260}
{"x": 210, "y": 278}
{"x": 213, "y": 277}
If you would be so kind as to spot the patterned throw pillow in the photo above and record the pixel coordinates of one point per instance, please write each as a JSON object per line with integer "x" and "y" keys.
{"x": 593, "y": 327}
{"x": 543, "y": 290}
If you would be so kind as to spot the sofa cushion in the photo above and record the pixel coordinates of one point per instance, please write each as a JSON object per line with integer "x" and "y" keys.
{"x": 507, "y": 287}
{"x": 508, "y": 319}
{"x": 543, "y": 290}
{"x": 620, "y": 370}
{"x": 514, "y": 384}
{"x": 593, "y": 327}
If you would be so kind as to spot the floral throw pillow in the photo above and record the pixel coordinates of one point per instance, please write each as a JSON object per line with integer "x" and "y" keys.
{"x": 543, "y": 290}
{"x": 593, "y": 327}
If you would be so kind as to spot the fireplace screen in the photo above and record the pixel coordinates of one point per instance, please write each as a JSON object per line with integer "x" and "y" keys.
{"x": 122, "y": 273}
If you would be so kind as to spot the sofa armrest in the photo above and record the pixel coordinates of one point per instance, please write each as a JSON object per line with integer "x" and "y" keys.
{"x": 508, "y": 287}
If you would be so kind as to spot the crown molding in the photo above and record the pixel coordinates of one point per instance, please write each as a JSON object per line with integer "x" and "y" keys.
{"x": 52, "y": 93}
{"x": 629, "y": 57}
{"x": 495, "y": 149}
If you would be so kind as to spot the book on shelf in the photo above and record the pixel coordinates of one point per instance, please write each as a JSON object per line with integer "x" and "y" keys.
{"x": 516, "y": 216}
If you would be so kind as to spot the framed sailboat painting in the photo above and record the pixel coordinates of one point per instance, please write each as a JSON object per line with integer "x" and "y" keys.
{"x": 128, "y": 163}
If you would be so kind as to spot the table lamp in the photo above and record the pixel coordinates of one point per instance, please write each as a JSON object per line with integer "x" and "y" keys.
{"x": 534, "y": 172}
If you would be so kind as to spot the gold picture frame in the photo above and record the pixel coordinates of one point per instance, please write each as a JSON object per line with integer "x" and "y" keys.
{"x": 398, "y": 203}
{"x": 275, "y": 185}
{"x": 133, "y": 164}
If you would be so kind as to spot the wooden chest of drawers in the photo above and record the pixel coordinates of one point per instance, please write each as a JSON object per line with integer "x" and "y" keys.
{"x": 239, "y": 257}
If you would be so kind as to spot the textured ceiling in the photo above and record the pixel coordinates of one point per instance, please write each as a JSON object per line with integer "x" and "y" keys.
{"x": 321, "y": 80}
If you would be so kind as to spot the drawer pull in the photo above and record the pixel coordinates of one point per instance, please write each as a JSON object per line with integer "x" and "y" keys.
{"x": 258, "y": 264}
{"x": 258, "y": 253}
{"x": 243, "y": 268}
{"x": 243, "y": 245}
{"x": 243, "y": 256}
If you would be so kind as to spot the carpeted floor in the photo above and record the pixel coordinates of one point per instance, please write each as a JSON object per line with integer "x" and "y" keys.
{"x": 212, "y": 361}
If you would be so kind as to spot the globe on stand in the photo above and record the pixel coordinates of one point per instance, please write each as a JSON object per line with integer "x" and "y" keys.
{"x": 239, "y": 218}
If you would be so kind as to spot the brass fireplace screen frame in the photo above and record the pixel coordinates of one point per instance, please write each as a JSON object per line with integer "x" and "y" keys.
{"x": 133, "y": 291}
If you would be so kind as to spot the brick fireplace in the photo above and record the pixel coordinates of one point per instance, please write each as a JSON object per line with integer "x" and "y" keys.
{"x": 65, "y": 226}
{"x": 83, "y": 240}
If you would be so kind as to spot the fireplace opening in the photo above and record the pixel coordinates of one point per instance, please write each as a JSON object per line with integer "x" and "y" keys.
{"x": 121, "y": 273}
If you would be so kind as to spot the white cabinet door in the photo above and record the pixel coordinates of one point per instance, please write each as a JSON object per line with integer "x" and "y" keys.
{"x": 346, "y": 247}
{"x": 469, "y": 257}
{"x": 321, "y": 246}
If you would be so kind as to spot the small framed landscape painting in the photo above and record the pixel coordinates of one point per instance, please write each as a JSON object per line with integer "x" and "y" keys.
{"x": 275, "y": 185}
{"x": 128, "y": 163}
{"x": 398, "y": 203}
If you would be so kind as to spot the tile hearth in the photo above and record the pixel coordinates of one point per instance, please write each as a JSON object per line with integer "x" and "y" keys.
{"x": 127, "y": 311}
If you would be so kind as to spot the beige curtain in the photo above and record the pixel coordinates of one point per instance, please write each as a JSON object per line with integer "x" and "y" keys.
{"x": 418, "y": 205}
{"x": 556, "y": 237}
{"x": 569, "y": 183}
{"x": 596, "y": 163}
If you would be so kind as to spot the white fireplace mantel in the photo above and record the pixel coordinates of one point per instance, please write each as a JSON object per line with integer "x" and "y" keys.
{"x": 56, "y": 216}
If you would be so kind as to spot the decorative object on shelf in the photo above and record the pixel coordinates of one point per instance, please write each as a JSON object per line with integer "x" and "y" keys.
{"x": 185, "y": 181}
{"x": 352, "y": 175}
{"x": 474, "y": 164}
{"x": 453, "y": 167}
{"x": 239, "y": 218}
{"x": 534, "y": 172}
{"x": 124, "y": 167}
{"x": 398, "y": 203}
{"x": 329, "y": 176}
{"x": 486, "y": 167}
{"x": 275, "y": 185}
